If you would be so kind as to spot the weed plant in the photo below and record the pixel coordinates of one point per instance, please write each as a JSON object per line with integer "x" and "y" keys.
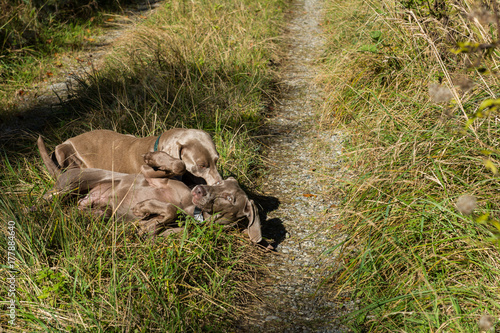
{"x": 192, "y": 64}
{"x": 413, "y": 260}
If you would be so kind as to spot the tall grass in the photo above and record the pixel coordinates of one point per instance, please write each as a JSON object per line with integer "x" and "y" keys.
{"x": 193, "y": 64}
{"x": 412, "y": 260}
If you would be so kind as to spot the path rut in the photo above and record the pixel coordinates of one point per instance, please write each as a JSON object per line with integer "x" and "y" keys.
{"x": 40, "y": 102}
{"x": 298, "y": 154}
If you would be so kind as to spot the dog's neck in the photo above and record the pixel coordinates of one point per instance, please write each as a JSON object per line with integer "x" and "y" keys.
{"x": 155, "y": 147}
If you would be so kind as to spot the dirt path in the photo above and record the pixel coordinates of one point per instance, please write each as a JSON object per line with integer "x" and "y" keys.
{"x": 41, "y": 101}
{"x": 304, "y": 223}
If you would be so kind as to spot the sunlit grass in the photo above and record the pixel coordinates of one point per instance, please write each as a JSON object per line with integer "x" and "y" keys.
{"x": 412, "y": 260}
{"x": 26, "y": 67}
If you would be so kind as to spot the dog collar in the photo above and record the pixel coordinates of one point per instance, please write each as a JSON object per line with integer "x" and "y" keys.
{"x": 198, "y": 214}
{"x": 156, "y": 143}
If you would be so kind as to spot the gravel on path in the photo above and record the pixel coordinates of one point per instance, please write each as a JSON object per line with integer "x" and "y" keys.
{"x": 303, "y": 226}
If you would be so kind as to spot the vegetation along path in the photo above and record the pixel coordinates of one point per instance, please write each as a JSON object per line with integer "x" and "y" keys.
{"x": 302, "y": 225}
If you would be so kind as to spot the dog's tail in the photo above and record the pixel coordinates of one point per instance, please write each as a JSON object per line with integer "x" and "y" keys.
{"x": 49, "y": 163}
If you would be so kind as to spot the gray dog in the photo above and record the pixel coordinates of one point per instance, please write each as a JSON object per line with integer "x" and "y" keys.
{"x": 108, "y": 150}
{"x": 154, "y": 201}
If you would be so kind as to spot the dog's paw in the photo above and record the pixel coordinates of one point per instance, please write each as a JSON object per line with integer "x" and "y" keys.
{"x": 49, "y": 196}
{"x": 162, "y": 161}
{"x": 150, "y": 227}
{"x": 177, "y": 168}
{"x": 150, "y": 159}
{"x": 147, "y": 228}
{"x": 171, "y": 231}
{"x": 141, "y": 210}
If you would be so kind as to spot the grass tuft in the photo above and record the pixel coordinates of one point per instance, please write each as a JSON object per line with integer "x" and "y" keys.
{"x": 412, "y": 260}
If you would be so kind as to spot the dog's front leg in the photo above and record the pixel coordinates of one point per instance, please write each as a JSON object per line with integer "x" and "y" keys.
{"x": 159, "y": 165}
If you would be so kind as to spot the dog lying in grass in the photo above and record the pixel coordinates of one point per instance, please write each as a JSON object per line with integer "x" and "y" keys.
{"x": 154, "y": 202}
{"x": 108, "y": 150}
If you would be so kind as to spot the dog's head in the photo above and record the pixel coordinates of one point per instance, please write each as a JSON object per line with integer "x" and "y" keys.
{"x": 197, "y": 150}
{"x": 226, "y": 199}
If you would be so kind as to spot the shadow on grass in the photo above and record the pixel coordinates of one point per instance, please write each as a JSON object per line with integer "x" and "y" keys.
{"x": 142, "y": 100}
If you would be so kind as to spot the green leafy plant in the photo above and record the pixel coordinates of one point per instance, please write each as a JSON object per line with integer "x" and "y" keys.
{"x": 53, "y": 284}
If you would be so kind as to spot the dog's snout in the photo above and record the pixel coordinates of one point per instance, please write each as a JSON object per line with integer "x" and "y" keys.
{"x": 199, "y": 191}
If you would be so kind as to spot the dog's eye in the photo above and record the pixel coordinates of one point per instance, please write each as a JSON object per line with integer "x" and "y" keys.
{"x": 202, "y": 166}
{"x": 230, "y": 199}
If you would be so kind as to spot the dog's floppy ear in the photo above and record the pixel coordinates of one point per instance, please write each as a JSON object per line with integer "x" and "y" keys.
{"x": 67, "y": 156}
{"x": 252, "y": 214}
{"x": 174, "y": 149}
